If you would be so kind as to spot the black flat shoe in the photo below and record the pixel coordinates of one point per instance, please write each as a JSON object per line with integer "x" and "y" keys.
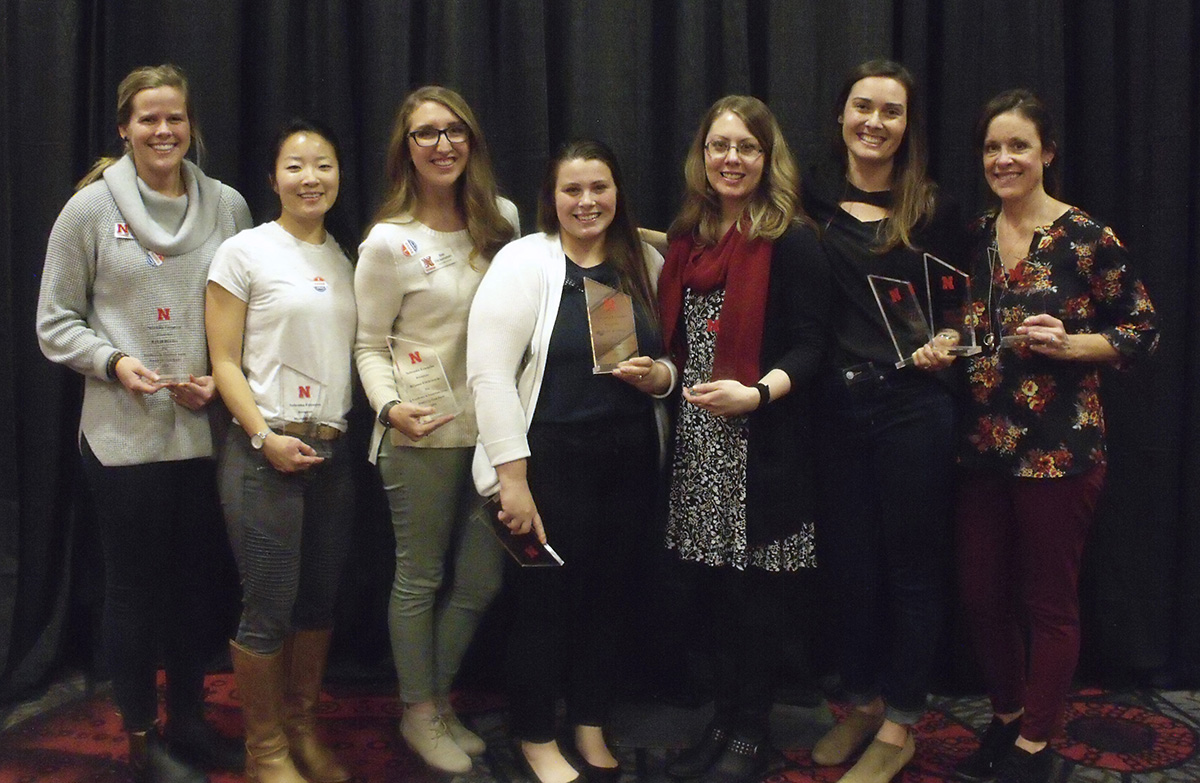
{"x": 602, "y": 774}
{"x": 1021, "y": 766}
{"x": 994, "y": 746}
{"x": 698, "y": 759}
{"x": 742, "y": 761}
{"x": 152, "y": 762}
{"x": 527, "y": 770}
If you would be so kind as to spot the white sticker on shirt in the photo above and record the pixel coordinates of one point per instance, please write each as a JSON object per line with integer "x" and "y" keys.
{"x": 121, "y": 231}
{"x": 154, "y": 259}
{"x": 433, "y": 262}
{"x": 320, "y": 284}
{"x": 300, "y": 395}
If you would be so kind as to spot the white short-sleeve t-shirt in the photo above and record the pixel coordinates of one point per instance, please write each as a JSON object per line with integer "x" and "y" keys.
{"x": 300, "y": 322}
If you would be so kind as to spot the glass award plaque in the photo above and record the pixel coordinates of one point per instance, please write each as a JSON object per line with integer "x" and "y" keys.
{"x": 522, "y": 547}
{"x": 952, "y": 318}
{"x": 422, "y": 377}
{"x": 611, "y": 323}
{"x": 164, "y": 351}
{"x": 300, "y": 395}
{"x": 1004, "y": 320}
{"x": 902, "y": 315}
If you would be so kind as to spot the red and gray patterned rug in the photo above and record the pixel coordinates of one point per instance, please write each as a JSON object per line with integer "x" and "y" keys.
{"x": 1110, "y": 737}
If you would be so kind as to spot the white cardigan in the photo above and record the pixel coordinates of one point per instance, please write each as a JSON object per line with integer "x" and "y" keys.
{"x": 508, "y": 333}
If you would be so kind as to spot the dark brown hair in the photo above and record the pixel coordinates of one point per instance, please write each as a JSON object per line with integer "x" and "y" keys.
{"x": 1024, "y": 102}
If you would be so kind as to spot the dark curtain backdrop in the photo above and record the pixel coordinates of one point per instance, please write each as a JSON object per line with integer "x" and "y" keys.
{"x": 1124, "y": 77}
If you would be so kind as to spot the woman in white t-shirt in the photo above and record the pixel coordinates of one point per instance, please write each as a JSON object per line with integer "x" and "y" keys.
{"x": 434, "y": 237}
{"x": 280, "y": 317}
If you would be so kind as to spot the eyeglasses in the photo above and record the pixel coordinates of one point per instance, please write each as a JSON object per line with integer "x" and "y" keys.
{"x": 429, "y": 137}
{"x": 719, "y": 148}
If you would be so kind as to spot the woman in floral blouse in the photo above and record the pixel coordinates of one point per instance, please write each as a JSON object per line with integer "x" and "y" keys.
{"x": 1062, "y": 301}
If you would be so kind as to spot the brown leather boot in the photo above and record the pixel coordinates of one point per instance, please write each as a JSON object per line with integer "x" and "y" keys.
{"x": 307, "y": 651}
{"x": 260, "y": 680}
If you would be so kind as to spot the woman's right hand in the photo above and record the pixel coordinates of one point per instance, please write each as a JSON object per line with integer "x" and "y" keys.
{"x": 289, "y": 455}
{"x": 406, "y": 418}
{"x": 935, "y": 354}
{"x": 519, "y": 512}
{"x": 134, "y": 376}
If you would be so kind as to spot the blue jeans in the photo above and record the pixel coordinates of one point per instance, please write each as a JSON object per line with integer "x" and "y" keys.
{"x": 290, "y": 534}
{"x": 884, "y": 540}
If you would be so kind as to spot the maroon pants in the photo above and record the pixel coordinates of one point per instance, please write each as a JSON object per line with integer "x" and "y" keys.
{"x": 1020, "y": 543}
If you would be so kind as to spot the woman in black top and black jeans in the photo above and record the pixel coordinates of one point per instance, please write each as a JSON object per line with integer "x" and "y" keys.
{"x": 884, "y": 536}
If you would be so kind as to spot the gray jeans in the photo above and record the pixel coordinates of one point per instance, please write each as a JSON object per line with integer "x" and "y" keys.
{"x": 435, "y": 512}
{"x": 290, "y": 534}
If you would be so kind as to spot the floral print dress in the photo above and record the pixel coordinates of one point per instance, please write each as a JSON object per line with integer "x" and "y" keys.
{"x": 1026, "y": 414}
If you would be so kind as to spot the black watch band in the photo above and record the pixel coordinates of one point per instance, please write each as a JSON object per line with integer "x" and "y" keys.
{"x": 385, "y": 410}
{"x": 764, "y": 394}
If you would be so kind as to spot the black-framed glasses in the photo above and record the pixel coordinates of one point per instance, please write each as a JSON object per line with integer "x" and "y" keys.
{"x": 429, "y": 137}
{"x": 746, "y": 149}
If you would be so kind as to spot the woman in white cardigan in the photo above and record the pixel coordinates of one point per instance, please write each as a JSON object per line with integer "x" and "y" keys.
{"x": 440, "y": 224}
{"x": 572, "y": 453}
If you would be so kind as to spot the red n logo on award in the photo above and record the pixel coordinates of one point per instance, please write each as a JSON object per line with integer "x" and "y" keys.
{"x": 164, "y": 314}
{"x": 305, "y": 392}
{"x": 947, "y": 283}
{"x": 414, "y": 357}
{"x": 895, "y": 294}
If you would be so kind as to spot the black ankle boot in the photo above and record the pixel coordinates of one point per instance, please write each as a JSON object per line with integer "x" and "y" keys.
{"x": 994, "y": 746}
{"x": 698, "y": 759}
{"x": 152, "y": 762}
{"x": 196, "y": 741}
{"x": 742, "y": 761}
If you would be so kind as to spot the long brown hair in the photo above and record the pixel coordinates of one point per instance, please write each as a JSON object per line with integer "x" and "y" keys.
{"x": 622, "y": 244}
{"x": 913, "y": 192}
{"x": 775, "y": 204}
{"x": 148, "y": 77}
{"x": 488, "y": 229}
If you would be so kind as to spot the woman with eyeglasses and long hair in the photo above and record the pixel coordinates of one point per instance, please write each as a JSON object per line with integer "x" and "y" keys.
{"x": 1056, "y": 290}
{"x": 884, "y": 535}
{"x": 743, "y": 298}
{"x": 433, "y": 239}
{"x": 572, "y": 453}
{"x": 122, "y": 303}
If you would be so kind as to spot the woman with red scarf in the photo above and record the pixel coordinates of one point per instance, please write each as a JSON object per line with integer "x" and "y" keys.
{"x": 742, "y": 298}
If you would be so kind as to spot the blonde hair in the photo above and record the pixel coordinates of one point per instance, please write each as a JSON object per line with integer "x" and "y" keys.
{"x": 775, "y": 204}
{"x": 148, "y": 77}
{"x": 477, "y": 191}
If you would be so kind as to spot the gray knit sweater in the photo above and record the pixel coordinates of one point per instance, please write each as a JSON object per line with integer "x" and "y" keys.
{"x": 111, "y": 273}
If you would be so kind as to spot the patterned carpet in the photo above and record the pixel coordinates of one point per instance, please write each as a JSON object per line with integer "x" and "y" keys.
{"x": 1110, "y": 737}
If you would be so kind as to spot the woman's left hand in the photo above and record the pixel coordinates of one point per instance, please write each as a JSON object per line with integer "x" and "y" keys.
{"x": 196, "y": 393}
{"x": 1047, "y": 336}
{"x": 644, "y": 374}
{"x": 723, "y": 398}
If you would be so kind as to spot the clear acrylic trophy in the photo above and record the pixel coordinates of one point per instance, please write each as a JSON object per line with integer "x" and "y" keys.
{"x": 952, "y": 318}
{"x": 902, "y": 315}
{"x": 422, "y": 377}
{"x": 611, "y": 323}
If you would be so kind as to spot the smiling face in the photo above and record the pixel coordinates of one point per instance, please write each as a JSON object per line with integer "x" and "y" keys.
{"x": 585, "y": 200}
{"x": 1013, "y": 156}
{"x": 733, "y": 177}
{"x": 441, "y": 165}
{"x": 874, "y": 119}
{"x": 306, "y": 179}
{"x": 158, "y": 134}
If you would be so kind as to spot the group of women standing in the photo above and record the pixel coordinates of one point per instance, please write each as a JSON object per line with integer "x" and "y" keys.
{"x": 760, "y": 315}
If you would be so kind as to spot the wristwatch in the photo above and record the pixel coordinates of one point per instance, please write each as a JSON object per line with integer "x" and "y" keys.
{"x": 258, "y": 439}
{"x": 384, "y": 419}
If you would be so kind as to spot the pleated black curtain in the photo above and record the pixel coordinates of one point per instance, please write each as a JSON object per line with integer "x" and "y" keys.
{"x": 1124, "y": 78}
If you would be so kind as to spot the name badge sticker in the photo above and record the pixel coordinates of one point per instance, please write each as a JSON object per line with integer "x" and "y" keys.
{"x": 121, "y": 231}
{"x": 432, "y": 263}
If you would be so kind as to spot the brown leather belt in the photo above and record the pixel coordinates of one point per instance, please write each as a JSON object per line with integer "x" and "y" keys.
{"x": 309, "y": 429}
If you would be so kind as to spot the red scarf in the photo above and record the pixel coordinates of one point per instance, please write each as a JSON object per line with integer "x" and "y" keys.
{"x": 743, "y": 268}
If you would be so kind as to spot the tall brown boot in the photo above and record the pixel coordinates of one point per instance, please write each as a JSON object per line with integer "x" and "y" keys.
{"x": 308, "y": 651}
{"x": 260, "y": 680}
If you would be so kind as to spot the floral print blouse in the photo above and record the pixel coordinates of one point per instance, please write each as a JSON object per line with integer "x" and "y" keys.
{"x": 1027, "y": 414}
